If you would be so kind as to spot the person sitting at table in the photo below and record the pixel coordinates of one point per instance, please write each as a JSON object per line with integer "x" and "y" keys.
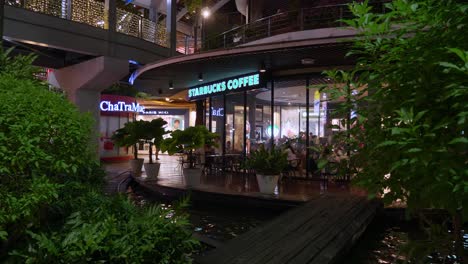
{"x": 293, "y": 160}
{"x": 291, "y": 153}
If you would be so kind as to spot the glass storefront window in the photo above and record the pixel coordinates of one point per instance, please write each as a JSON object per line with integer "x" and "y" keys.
{"x": 317, "y": 114}
{"x": 235, "y": 123}
{"x": 244, "y": 119}
{"x": 259, "y": 118}
{"x": 290, "y": 102}
{"x": 217, "y": 112}
{"x": 207, "y": 112}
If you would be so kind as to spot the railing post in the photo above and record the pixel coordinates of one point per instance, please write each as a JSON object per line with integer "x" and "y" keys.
{"x": 69, "y": 9}
{"x": 243, "y": 34}
{"x": 140, "y": 27}
{"x": 269, "y": 27}
{"x": 224, "y": 40}
{"x": 341, "y": 16}
{"x": 301, "y": 19}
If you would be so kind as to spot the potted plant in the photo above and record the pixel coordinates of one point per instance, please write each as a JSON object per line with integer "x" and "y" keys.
{"x": 187, "y": 141}
{"x": 268, "y": 165}
{"x": 153, "y": 134}
{"x": 129, "y": 136}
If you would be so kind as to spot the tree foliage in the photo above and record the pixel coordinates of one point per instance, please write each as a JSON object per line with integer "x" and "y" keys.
{"x": 130, "y": 135}
{"x": 187, "y": 140}
{"x": 52, "y": 208}
{"x": 154, "y": 132}
{"x": 409, "y": 90}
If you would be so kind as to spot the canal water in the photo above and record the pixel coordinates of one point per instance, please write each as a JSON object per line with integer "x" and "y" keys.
{"x": 380, "y": 244}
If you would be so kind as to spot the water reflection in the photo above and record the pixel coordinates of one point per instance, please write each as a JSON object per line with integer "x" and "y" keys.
{"x": 381, "y": 243}
{"x": 220, "y": 224}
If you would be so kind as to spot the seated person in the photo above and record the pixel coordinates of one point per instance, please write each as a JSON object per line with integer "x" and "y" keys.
{"x": 291, "y": 153}
{"x": 293, "y": 160}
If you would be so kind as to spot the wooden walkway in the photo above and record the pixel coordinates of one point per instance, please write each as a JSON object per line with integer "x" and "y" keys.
{"x": 321, "y": 232}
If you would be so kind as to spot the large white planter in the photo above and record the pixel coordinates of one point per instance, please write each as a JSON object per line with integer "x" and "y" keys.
{"x": 152, "y": 170}
{"x": 192, "y": 176}
{"x": 267, "y": 183}
{"x": 136, "y": 165}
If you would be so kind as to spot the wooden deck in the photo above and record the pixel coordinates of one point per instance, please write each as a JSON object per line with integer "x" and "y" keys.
{"x": 321, "y": 232}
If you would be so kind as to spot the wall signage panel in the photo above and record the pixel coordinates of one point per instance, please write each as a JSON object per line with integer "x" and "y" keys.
{"x": 226, "y": 86}
{"x": 159, "y": 111}
{"x": 117, "y": 105}
{"x": 108, "y": 106}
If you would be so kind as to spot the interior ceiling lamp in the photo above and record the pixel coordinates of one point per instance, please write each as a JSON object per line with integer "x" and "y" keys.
{"x": 200, "y": 77}
{"x": 171, "y": 85}
{"x": 307, "y": 61}
{"x": 262, "y": 67}
{"x": 205, "y": 12}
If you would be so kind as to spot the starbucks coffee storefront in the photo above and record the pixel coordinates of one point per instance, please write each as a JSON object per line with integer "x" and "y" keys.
{"x": 255, "y": 109}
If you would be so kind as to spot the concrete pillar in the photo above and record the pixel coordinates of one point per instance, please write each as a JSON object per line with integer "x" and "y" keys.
{"x": 110, "y": 23}
{"x": 171, "y": 25}
{"x": 110, "y": 14}
{"x": 153, "y": 11}
{"x": 84, "y": 82}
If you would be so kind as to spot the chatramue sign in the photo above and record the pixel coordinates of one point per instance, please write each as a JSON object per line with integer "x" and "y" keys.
{"x": 117, "y": 104}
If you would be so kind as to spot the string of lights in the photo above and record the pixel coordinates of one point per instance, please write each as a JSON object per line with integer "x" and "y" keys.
{"x": 92, "y": 13}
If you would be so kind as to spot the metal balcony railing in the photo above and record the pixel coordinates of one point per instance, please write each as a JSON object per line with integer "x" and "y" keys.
{"x": 92, "y": 13}
{"x": 298, "y": 20}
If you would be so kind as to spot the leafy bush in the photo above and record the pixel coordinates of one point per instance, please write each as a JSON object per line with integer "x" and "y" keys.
{"x": 113, "y": 230}
{"x": 409, "y": 90}
{"x": 42, "y": 133}
{"x": 42, "y": 139}
{"x": 51, "y": 206}
{"x": 267, "y": 162}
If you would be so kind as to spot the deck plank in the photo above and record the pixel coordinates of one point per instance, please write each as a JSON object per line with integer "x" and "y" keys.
{"x": 316, "y": 232}
{"x": 273, "y": 234}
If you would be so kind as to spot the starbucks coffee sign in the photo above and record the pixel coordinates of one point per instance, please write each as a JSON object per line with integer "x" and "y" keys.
{"x": 225, "y": 86}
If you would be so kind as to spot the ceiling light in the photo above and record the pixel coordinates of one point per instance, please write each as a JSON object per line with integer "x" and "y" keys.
{"x": 307, "y": 61}
{"x": 205, "y": 12}
{"x": 262, "y": 67}
{"x": 200, "y": 77}
{"x": 171, "y": 85}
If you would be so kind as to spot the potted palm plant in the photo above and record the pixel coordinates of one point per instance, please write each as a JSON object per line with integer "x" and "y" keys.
{"x": 268, "y": 165}
{"x": 153, "y": 134}
{"x": 129, "y": 136}
{"x": 187, "y": 141}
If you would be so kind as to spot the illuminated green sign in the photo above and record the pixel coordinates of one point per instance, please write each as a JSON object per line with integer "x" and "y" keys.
{"x": 233, "y": 84}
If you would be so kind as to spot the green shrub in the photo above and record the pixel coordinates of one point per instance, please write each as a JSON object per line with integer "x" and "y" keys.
{"x": 43, "y": 145}
{"x": 52, "y": 208}
{"x": 267, "y": 162}
{"x": 41, "y": 132}
{"x": 113, "y": 230}
{"x": 409, "y": 131}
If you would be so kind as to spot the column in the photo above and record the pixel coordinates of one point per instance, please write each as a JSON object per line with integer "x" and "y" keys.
{"x": 84, "y": 82}
{"x": 171, "y": 28}
{"x": 110, "y": 23}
